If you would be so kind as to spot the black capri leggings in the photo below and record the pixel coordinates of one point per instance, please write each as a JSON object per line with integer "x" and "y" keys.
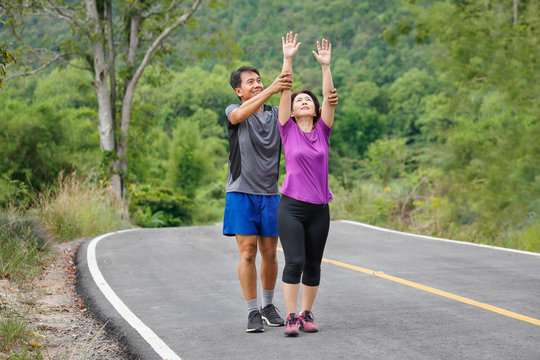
{"x": 303, "y": 229}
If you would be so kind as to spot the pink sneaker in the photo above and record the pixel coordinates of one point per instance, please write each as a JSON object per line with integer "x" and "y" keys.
{"x": 291, "y": 325}
{"x": 306, "y": 322}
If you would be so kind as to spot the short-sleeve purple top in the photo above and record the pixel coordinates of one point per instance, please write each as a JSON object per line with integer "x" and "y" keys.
{"x": 306, "y": 162}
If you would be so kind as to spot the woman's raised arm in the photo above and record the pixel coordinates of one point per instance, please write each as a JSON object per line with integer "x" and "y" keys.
{"x": 290, "y": 47}
{"x": 323, "y": 56}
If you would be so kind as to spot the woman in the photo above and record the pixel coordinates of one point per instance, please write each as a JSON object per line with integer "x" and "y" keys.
{"x": 303, "y": 214}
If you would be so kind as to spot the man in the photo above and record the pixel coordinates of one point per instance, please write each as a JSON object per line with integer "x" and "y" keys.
{"x": 252, "y": 190}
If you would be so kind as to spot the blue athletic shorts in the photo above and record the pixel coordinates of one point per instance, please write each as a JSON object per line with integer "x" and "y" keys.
{"x": 247, "y": 214}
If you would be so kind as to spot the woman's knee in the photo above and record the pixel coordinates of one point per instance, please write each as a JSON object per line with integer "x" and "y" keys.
{"x": 292, "y": 273}
{"x": 311, "y": 275}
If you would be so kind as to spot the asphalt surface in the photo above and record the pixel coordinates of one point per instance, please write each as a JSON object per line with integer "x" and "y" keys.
{"x": 181, "y": 285}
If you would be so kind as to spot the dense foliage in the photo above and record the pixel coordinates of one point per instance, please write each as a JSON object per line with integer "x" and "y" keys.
{"x": 436, "y": 131}
{"x": 5, "y": 59}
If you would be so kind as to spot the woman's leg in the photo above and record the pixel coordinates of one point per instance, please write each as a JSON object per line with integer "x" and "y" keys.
{"x": 290, "y": 293}
{"x": 308, "y": 296}
{"x": 316, "y": 235}
{"x": 291, "y": 234}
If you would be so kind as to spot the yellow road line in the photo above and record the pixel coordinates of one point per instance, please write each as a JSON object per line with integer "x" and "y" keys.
{"x": 435, "y": 291}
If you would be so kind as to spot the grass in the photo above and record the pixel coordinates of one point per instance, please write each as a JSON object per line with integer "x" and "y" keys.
{"x": 16, "y": 336}
{"x": 76, "y": 208}
{"x": 73, "y": 209}
{"x": 417, "y": 207}
{"x": 23, "y": 246}
{"x": 12, "y": 330}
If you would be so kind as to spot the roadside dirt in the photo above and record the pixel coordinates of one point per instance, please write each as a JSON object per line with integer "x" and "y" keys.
{"x": 61, "y": 325}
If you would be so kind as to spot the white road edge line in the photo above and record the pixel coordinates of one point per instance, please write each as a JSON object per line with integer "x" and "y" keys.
{"x": 440, "y": 239}
{"x": 151, "y": 338}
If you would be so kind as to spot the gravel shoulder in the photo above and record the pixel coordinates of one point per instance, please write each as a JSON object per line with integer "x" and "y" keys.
{"x": 59, "y": 321}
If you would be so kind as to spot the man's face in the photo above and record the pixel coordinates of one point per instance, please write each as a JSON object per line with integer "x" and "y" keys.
{"x": 251, "y": 85}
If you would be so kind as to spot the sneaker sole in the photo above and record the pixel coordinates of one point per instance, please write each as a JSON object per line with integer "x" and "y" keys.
{"x": 271, "y": 324}
{"x": 309, "y": 331}
{"x": 254, "y": 330}
{"x": 292, "y": 333}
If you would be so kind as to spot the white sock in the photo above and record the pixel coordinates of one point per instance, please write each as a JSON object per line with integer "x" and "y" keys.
{"x": 267, "y": 297}
{"x": 252, "y": 305}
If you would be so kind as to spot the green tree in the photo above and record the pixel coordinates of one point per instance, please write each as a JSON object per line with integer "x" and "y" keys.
{"x": 187, "y": 160}
{"x": 157, "y": 111}
{"x": 488, "y": 51}
{"x": 118, "y": 40}
{"x": 385, "y": 159}
{"x": 5, "y": 59}
{"x": 33, "y": 145}
{"x": 358, "y": 121}
{"x": 407, "y": 96}
{"x": 492, "y": 169}
{"x": 48, "y": 128}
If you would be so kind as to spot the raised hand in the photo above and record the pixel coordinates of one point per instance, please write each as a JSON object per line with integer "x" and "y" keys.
{"x": 290, "y": 47}
{"x": 324, "y": 53}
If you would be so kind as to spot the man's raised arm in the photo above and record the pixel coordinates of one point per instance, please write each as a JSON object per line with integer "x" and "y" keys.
{"x": 251, "y": 106}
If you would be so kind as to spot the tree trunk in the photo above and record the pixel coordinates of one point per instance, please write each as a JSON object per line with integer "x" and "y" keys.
{"x": 105, "y": 117}
{"x": 125, "y": 118}
{"x": 120, "y": 166}
{"x": 516, "y": 4}
{"x": 112, "y": 57}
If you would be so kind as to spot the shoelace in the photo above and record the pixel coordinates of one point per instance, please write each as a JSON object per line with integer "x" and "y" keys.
{"x": 308, "y": 316}
{"x": 254, "y": 315}
{"x": 292, "y": 321}
{"x": 273, "y": 312}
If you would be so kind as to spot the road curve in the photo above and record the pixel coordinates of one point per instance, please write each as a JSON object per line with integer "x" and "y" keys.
{"x": 173, "y": 293}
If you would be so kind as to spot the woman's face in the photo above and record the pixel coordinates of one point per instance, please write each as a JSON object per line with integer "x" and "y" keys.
{"x": 303, "y": 105}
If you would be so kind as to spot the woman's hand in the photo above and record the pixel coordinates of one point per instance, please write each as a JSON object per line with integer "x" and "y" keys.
{"x": 290, "y": 47}
{"x": 324, "y": 52}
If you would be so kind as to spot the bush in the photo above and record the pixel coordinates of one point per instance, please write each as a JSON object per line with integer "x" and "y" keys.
{"x": 159, "y": 207}
{"x": 209, "y": 203}
{"x": 23, "y": 241}
{"x": 13, "y": 191}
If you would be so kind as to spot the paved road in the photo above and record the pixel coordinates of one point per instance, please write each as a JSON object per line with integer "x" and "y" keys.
{"x": 387, "y": 295}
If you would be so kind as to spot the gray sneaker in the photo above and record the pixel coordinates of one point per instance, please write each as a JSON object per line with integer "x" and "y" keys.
{"x": 271, "y": 316}
{"x": 255, "y": 323}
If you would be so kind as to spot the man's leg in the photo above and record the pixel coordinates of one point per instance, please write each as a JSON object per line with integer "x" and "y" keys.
{"x": 247, "y": 274}
{"x": 269, "y": 270}
{"x": 269, "y": 264}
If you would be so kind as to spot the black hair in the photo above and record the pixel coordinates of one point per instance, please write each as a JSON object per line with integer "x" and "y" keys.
{"x": 236, "y": 75}
{"x": 315, "y": 102}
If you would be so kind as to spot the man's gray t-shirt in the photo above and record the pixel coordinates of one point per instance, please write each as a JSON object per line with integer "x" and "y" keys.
{"x": 255, "y": 147}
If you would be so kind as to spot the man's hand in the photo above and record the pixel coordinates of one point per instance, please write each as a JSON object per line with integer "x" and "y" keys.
{"x": 333, "y": 97}
{"x": 283, "y": 82}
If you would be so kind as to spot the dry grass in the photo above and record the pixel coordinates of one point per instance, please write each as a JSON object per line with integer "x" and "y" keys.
{"x": 77, "y": 208}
